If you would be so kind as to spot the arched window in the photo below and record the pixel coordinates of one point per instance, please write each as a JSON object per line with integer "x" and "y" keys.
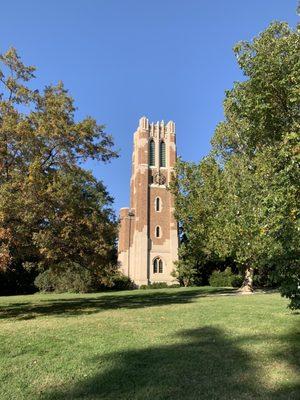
{"x": 162, "y": 154}
{"x": 157, "y": 232}
{"x": 157, "y": 204}
{"x": 155, "y": 265}
{"x": 152, "y": 153}
{"x": 160, "y": 266}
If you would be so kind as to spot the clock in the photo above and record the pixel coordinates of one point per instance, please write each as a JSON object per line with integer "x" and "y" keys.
{"x": 159, "y": 179}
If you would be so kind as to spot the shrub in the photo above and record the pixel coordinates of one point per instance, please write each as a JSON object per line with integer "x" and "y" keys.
{"x": 237, "y": 281}
{"x": 184, "y": 272}
{"x": 144, "y": 287}
{"x": 156, "y": 285}
{"x": 73, "y": 278}
{"x": 291, "y": 289}
{"x": 264, "y": 280}
{"x": 45, "y": 282}
{"x": 221, "y": 278}
{"x": 122, "y": 282}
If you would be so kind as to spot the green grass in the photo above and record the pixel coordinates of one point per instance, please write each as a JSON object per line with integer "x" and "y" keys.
{"x": 155, "y": 344}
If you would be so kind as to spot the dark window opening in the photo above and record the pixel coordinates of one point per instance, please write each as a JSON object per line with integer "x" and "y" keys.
{"x": 155, "y": 268}
{"x": 157, "y": 204}
{"x": 152, "y": 153}
{"x": 160, "y": 266}
{"x": 162, "y": 154}
{"x": 157, "y": 231}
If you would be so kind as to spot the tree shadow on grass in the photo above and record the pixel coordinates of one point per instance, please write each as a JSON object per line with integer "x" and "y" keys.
{"x": 89, "y": 305}
{"x": 205, "y": 365}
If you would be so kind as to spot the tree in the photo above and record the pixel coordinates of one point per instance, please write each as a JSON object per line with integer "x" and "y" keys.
{"x": 259, "y": 140}
{"x": 199, "y": 199}
{"x": 52, "y": 211}
{"x": 249, "y": 209}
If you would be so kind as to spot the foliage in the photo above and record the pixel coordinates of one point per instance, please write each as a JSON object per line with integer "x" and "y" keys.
{"x": 122, "y": 282}
{"x": 53, "y": 213}
{"x": 290, "y": 288}
{"x": 184, "y": 272}
{"x": 17, "y": 280}
{"x": 236, "y": 281}
{"x": 242, "y": 201}
{"x": 73, "y": 278}
{"x": 222, "y": 278}
{"x": 155, "y": 285}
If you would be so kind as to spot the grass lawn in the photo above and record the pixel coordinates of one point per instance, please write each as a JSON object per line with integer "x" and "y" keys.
{"x": 156, "y": 344}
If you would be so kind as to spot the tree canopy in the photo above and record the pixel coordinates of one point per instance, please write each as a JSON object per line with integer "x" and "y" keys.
{"x": 53, "y": 213}
{"x": 242, "y": 201}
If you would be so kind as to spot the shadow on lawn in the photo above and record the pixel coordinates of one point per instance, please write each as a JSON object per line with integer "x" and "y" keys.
{"x": 88, "y": 305}
{"x": 206, "y": 365}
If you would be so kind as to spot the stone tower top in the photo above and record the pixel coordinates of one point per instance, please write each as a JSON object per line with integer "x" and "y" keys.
{"x": 153, "y": 129}
{"x": 144, "y": 123}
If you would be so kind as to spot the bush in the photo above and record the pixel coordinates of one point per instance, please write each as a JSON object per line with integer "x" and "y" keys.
{"x": 264, "y": 280}
{"x": 155, "y": 285}
{"x": 291, "y": 289}
{"x": 184, "y": 272}
{"x": 122, "y": 282}
{"x": 237, "y": 281}
{"x": 221, "y": 278}
{"x": 158, "y": 285}
{"x": 45, "y": 282}
{"x": 73, "y": 278}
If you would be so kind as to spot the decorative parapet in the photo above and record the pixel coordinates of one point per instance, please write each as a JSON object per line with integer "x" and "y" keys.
{"x": 158, "y": 129}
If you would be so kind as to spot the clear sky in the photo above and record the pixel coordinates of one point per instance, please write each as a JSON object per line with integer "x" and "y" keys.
{"x": 122, "y": 59}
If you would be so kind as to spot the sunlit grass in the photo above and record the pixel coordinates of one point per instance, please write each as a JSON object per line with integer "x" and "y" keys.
{"x": 157, "y": 344}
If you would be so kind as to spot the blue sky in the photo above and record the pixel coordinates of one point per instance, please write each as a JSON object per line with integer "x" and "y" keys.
{"x": 121, "y": 59}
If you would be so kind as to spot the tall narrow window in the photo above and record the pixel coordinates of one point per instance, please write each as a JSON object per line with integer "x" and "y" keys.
{"x": 160, "y": 266}
{"x": 155, "y": 265}
{"x": 157, "y": 231}
{"x": 152, "y": 153}
{"x": 162, "y": 154}
{"x": 157, "y": 204}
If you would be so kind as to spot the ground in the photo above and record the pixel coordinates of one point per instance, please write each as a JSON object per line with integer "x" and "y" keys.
{"x": 194, "y": 343}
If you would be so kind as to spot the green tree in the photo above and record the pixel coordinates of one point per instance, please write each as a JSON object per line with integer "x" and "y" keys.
{"x": 259, "y": 144}
{"x": 52, "y": 212}
{"x": 249, "y": 209}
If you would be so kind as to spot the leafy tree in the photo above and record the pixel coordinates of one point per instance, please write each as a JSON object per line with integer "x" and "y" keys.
{"x": 243, "y": 201}
{"x": 199, "y": 199}
{"x": 259, "y": 142}
{"x": 53, "y": 213}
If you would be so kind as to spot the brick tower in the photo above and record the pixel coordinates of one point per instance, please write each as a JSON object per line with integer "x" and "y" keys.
{"x": 148, "y": 235}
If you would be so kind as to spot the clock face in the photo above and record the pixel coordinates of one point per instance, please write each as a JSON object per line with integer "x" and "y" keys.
{"x": 159, "y": 179}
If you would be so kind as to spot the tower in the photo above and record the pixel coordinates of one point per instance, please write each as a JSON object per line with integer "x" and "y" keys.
{"x": 148, "y": 235}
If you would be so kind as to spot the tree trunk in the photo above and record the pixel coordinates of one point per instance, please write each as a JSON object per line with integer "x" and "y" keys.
{"x": 247, "y": 286}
